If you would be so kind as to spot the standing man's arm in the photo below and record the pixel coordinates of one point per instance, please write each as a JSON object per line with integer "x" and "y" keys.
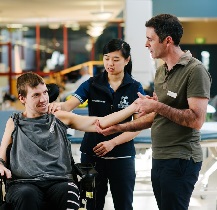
{"x": 139, "y": 124}
{"x": 192, "y": 117}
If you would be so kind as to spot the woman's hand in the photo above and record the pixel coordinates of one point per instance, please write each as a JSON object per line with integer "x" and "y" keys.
{"x": 53, "y": 107}
{"x": 104, "y": 147}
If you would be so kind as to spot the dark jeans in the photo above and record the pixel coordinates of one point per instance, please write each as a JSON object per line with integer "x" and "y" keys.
{"x": 43, "y": 195}
{"x": 121, "y": 176}
{"x": 173, "y": 182}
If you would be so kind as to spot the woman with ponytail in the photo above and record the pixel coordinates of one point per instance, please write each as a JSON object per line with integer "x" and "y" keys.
{"x": 113, "y": 156}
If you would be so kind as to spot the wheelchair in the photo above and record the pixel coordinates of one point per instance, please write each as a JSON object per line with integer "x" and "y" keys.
{"x": 84, "y": 176}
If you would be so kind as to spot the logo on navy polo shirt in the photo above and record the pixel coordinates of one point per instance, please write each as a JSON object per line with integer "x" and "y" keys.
{"x": 123, "y": 102}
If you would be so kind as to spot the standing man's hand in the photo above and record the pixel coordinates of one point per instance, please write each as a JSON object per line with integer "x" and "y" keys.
{"x": 147, "y": 104}
{"x": 155, "y": 96}
{"x": 106, "y": 131}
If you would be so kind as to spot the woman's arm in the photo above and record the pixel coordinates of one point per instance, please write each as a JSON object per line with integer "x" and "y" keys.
{"x": 68, "y": 105}
{"x": 73, "y": 102}
{"x": 87, "y": 123}
{"x": 106, "y": 146}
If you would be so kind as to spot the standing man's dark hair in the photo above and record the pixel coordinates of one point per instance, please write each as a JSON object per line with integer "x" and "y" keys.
{"x": 166, "y": 25}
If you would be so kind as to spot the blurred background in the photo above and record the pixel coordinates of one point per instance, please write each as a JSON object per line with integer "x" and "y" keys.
{"x": 57, "y": 39}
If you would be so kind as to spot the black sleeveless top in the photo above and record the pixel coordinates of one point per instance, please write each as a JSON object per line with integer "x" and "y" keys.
{"x": 40, "y": 149}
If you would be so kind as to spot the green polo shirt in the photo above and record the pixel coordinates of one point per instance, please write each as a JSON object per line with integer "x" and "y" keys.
{"x": 188, "y": 78}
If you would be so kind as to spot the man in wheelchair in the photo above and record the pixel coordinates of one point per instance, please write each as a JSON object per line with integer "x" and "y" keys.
{"x": 41, "y": 166}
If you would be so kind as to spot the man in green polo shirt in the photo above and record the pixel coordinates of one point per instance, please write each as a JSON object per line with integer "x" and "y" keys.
{"x": 175, "y": 114}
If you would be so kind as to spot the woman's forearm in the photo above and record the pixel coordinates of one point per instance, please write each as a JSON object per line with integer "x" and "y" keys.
{"x": 124, "y": 137}
{"x": 117, "y": 117}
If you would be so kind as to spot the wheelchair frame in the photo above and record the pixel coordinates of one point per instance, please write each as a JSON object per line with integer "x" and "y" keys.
{"x": 84, "y": 174}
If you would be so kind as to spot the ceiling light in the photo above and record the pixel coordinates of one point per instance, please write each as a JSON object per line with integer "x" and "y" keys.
{"x": 75, "y": 27}
{"x": 102, "y": 14}
{"x": 25, "y": 28}
{"x": 14, "y": 25}
{"x": 98, "y": 23}
{"x": 96, "y": 29}
{"x": 88, "y": 45}
{"x": 53, "y": 26}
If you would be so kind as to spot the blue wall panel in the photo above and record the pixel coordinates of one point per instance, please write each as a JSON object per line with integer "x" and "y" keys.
{"x": 186, "y": 8}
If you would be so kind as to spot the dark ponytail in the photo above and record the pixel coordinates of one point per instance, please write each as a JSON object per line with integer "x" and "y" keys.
{"x": 119, "y": 44}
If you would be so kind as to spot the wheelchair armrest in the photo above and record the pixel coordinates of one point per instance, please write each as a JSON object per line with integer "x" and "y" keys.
{"x": 2, "y": 181}
{"x": 85, "y": 170}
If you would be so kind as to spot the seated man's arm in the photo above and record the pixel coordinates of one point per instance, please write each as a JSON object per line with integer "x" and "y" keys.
{"x": 6, "y": 140}
{"x": 87, "y": 123}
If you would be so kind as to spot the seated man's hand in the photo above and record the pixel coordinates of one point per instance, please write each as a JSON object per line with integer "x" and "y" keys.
{"x": 103, "y": 148}
{"x": 5, "y": 171}
{"x": 53, "y": 107}
{"x": 107, "y": 131}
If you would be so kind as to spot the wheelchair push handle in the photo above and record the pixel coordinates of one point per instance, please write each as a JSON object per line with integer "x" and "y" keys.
{"x": 85, "y": 170}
